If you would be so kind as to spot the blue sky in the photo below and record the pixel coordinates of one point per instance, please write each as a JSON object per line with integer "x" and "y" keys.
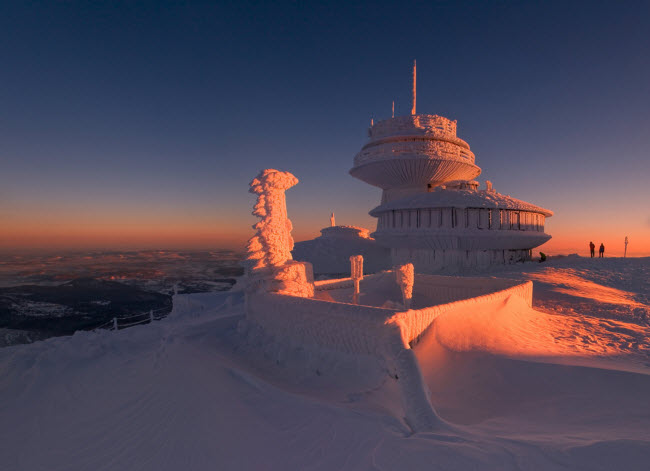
{"x": 153, "y": 113}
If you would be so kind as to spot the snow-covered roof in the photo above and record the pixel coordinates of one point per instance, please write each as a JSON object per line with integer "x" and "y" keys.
{"x": 444, "y": 198}
{"x": 345, "y": 232}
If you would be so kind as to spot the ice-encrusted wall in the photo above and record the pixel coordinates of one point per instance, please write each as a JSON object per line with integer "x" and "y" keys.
{"x": 365, "y": 330}
{"x": 414, "y": 322}
{"x": 353, "y": 328}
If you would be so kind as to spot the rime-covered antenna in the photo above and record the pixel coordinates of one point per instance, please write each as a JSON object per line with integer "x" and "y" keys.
{"x": 414, "y": 87}
{"x": 393, "y": 108}
{"x": 372, "y": 122}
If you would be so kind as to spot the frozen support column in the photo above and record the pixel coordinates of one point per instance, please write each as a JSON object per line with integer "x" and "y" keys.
{"x": 404, "y": 275}
{"x": 356, "y": 269}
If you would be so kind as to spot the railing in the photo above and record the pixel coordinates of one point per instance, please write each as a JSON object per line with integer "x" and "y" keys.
{"x": 118, "y": 323}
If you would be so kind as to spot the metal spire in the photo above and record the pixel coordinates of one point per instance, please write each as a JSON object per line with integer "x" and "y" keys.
{"x": 414, "y": 85}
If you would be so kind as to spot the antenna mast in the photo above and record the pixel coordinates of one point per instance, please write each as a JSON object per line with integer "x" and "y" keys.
{"x": 393, "y": 108}
{"x": 414, "y": 86}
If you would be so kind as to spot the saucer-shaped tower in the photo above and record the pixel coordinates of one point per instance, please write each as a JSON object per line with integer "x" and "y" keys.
{"x": 432, "y": 213}
{"x": 412, "y": 154}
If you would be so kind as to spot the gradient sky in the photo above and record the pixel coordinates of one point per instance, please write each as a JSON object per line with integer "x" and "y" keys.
{"x": 140, "y": 124}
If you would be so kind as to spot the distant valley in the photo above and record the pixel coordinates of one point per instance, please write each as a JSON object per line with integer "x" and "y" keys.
{"x": 43, "y": 296}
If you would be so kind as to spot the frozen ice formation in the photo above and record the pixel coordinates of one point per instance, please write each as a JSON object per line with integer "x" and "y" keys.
{"x": 404, "y": 275}
{"x": 270, "y": 265}
{"x": 356, "y": 273}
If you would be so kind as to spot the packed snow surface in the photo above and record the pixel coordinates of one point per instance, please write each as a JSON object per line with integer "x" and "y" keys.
{"x": 562, "y": 386}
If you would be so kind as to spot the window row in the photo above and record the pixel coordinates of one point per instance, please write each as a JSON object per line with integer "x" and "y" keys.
{"x": 469, "y": 218}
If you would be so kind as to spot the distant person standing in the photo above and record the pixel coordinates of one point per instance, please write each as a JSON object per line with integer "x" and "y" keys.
{"x": 592, "y": 248}
{"x": 601, "y": 251}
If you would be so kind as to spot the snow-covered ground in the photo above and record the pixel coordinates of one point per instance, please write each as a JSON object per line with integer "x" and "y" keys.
{"x": 563, "y": 386}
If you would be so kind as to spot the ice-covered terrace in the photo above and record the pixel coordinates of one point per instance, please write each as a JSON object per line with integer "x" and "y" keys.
{"x": 379, "y": 326}
{"x": 380, "y": 290}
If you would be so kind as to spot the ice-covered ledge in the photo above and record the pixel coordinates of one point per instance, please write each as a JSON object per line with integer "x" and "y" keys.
{"x": 420, "y": 124}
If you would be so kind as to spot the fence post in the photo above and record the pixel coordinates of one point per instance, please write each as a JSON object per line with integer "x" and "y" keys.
{"x": 114, "y": 323}
{"x": 151, "y": 315}
{"x": 356, "y": 273}
{"x": 404, "y": 275}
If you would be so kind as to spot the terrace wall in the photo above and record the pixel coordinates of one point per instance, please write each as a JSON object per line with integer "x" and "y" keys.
{"x": 380, "y": 332}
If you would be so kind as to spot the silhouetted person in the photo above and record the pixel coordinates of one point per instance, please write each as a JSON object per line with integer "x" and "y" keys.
{"x": 592, "y": 247}
{"x": 601, "y": 251}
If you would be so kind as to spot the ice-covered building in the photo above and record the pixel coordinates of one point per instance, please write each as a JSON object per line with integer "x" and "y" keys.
{"x": 330, "y": 252}
{"x": 432, "y": 213}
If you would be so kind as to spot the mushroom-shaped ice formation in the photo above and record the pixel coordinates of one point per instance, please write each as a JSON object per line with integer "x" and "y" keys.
{"x": 270, "y": 265}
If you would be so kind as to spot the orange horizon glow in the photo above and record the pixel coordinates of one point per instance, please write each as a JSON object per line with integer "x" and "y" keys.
{"x": 201, "y": 235}
{"x": 569, "y": 242}
{"x": 229, "y": 227}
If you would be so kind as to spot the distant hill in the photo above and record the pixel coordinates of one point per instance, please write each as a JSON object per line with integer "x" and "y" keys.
{"x": 79, "y": 304}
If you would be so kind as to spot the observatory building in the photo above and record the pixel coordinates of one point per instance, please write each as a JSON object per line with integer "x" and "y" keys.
{"x": 432, "y": 213}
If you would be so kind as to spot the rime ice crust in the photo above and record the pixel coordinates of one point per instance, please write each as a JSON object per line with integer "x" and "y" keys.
{"x": 405, "y": 275}
{"x": 272, "y": 244}
{"x": 413, "y": 151}
{"x": 270, "y": 265}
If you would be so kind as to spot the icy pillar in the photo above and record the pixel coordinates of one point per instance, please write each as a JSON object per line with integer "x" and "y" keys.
{"x": 404, "y": 275}
{"x": 356, "y": 270}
